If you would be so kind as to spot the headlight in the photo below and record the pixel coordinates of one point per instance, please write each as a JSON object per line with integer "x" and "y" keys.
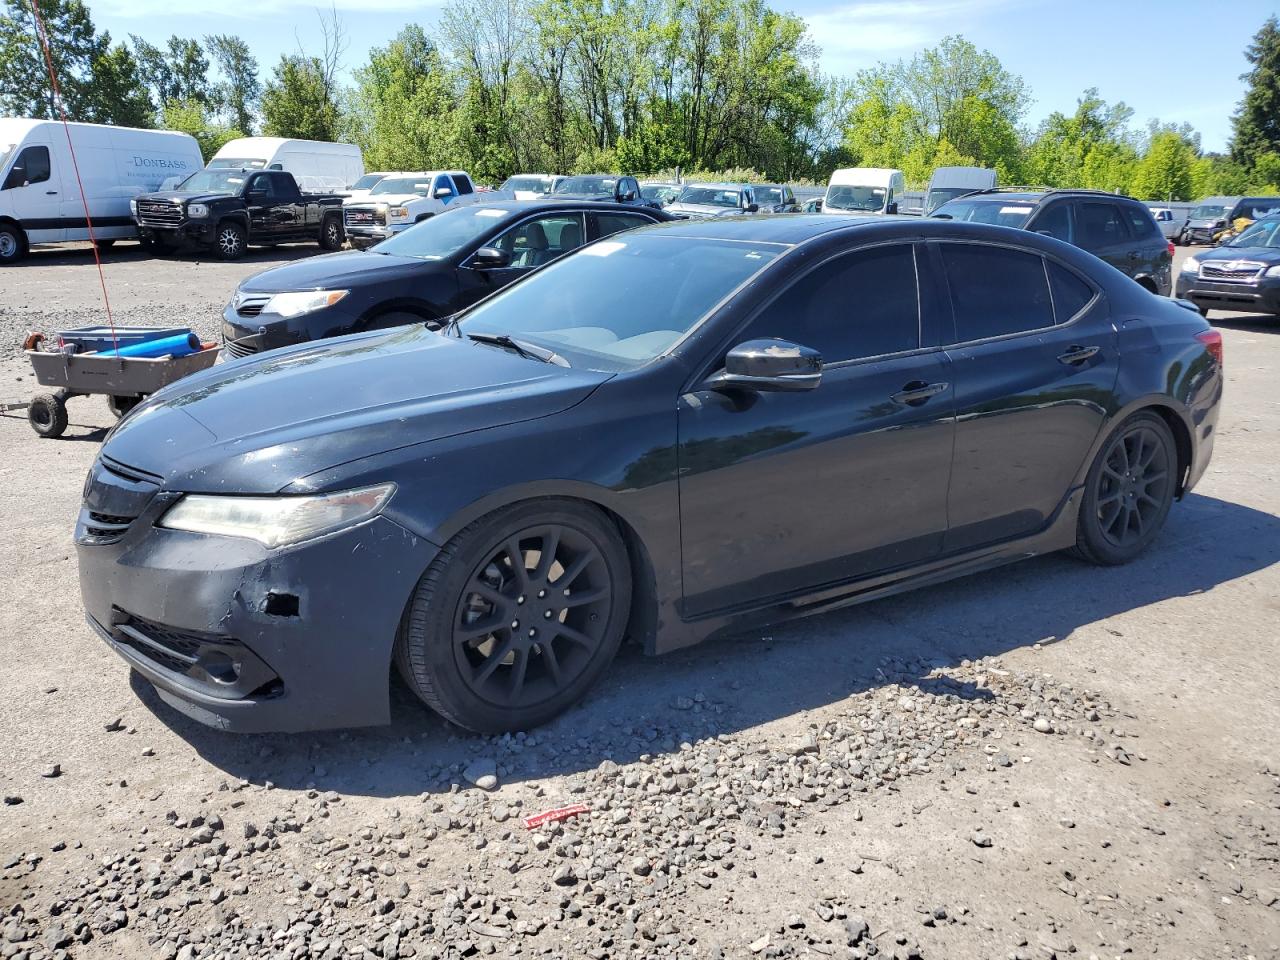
{"x": 197, "y": 210}
{"x": 397, "y": 211}
{"x": 133, "y": 207}
{"x": 276, "y": 521}
{"x": 1273, "y": 271}
{"x": 1191, "y": 265}
{"x": 304, "y": 301}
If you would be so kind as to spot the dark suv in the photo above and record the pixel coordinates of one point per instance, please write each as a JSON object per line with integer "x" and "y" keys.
{"x": 1119, "y": 230}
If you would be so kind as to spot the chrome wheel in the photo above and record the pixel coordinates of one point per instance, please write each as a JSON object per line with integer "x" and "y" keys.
{"x": 1134, "y": 486}
{"x": 230, "y": 242}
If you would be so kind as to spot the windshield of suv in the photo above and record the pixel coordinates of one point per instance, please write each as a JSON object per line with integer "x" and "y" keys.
{"x": 214, "y": 181}
{"x": 418, "y": 185}
{"x": 588, "y": 185}
{"x": 618, "y": 303}
{"x": 541, "y": 185}
{"x": 1208, "y": 211}
{"x": 367, "y": 181}
{"x": 940, "y": 195}
{"x": 659, "y": 191}
{"x": 444, "y": 234}
{"x": 1000, "y": 212}
{"x": 1264, "y": 233}
{"x": 710, "y": 196}
{"x": 847, "y": 197}
{"x": 769, "y": 195}
{"x": 231, "y": 163}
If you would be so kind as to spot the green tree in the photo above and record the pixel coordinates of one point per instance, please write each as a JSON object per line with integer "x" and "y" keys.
{"x": 180, "y": 71}
{"x": 196, "y": 118}
{"x": 1056, "y": 156}
{"x": 1165, "y": 172}
{"x": 117, "y": 94}
{"x": 239, "y": 91}
{"x": 1256, "y": 125}
{"x": 299, "y": 101}
{"x": 74, "y": 47}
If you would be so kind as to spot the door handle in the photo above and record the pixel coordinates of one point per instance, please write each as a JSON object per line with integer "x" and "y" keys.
{"x": 51, "y": 193}
{"x": 917, "y": 392}
{"x": 1077, "y": 355}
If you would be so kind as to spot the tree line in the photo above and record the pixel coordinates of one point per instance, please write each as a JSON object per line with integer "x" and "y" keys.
{"x": 641, "y": 86}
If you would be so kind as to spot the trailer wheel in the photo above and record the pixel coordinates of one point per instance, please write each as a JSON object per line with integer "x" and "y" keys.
{"x": 119, "y": 405}
{"x": 47, "y": 414}
{"x": 12, "y": 243}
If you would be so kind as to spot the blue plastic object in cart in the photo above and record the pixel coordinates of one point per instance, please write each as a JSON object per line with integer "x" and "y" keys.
{"x": 99, "y": 338}
{"x": 178, "y": 346}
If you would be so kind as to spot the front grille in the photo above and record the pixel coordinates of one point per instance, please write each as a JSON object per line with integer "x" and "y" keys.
{"x": 252, "y": 306}
{"x": 363, "y": 216}
{"x": 1234, "y": 271}
{"x": 110, "y": 491}
{"x": 222, "y": 666}
{"x": 159, "y": 213}
{"x": 238, "y": 349}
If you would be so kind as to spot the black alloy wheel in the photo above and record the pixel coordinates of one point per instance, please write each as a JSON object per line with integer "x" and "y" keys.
{"x": 331, "y": 234}
{"x": 1128, "y": 492}
{"x": 518, "y": 616}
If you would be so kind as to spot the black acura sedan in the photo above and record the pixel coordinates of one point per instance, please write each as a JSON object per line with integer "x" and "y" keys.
{"x": 1241, "y": 274}
{"x": 684, "y": 430}
{"x": 429, "y": 271}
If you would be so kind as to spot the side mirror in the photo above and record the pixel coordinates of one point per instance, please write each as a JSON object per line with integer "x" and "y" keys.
{"x": 769, "y": 365}
{"x": 257, "y": 194}
{"x": 753, "y": 208}
{"x": 628, "y": 196}
{"x": 892, "y": 207}
{"x": 489, "y": 258}
{"x": 442, "y": 192}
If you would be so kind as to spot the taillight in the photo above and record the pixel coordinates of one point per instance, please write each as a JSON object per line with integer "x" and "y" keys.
{"x": 1172, "y": 248}
{"x": 1212, "y": 341}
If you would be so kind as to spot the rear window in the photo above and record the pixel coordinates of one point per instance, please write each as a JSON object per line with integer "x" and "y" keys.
{"x": 1141, "y": 223}
{"x": 1019, "y": 302}
{"x": 1099, "y": 225}
{"x": 463, "y": 183}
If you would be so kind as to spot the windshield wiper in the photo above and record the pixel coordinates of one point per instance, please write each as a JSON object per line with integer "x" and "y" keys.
{"x": 523, "y": 347}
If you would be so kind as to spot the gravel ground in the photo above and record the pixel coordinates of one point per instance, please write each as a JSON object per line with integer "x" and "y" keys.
{"x": 1042, "y": 761}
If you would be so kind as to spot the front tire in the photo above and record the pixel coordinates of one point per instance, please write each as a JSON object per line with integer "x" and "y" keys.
{"x": 332, "y": 236}
{"x": 230, "y": 241}
{"x": 13, "y": 244}
{"x": 1128, "y": 491}
{"x": 518, "y": 616}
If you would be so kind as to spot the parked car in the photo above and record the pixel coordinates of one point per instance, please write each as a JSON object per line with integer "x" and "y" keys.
{"x": 1170, "y": 226}
{"x": 40, "y": 198}
{"x": 331, "y": 166}
{"x": 530, "y": 186}
{"x": 360, "y": 189}
{"x": 947, "y": 183}
{"x": 1119, "y": 230}
{"x": 654, "y": 437}
{"x": 863, "y": 190}
{"x": 423, "y": 274}
{"x": 1241, "y": 274}
{"x": 776, "y": 198}
{"x": 703, "y": 200}
{"x": 661, "y": 192}
{"x": 812, "y": 205}
{"x": 228, "y": 211}
{"x": 603, "y": 187}
{"x": 1216, "y": 214}
{"x": 396, "y": 203}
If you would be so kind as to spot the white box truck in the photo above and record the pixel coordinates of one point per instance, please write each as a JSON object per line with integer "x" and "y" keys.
{"x": 947, "y": 183}
{"x": 40, "y": 198}
{"x": 316, "y": 165}
{"x": 864, "y": 190}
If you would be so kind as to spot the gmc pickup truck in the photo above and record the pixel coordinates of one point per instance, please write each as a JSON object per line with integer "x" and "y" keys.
{"x": 229, "y": 210}
{"x": 400, "y": 200}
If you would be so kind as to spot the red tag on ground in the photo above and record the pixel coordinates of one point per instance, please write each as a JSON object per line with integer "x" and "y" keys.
{"x": 550, "y": 816}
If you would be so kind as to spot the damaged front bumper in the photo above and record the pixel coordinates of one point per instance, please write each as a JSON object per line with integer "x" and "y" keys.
{"x": 238, "y": 636}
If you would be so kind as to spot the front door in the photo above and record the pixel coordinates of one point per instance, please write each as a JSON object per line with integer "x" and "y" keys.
{"x": 528, "y": 245}
{"x": 33, "y": 192}
{"x": 1035, "y": 362}
{"x": 260, "y": 203}
{"x": 786, "y": 492}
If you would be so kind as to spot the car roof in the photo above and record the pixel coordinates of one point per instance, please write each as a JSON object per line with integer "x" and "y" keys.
{"x": 543, "y": 204}
{"x": 789, "y": 228}
{"x": 717, "y": 185}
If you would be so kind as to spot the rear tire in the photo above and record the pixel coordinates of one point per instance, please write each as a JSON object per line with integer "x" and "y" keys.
{"x": 518, "y": 616}
{"x": 230, "y": 241}
{"x": 104, "y": 245}
{"x": 1128, "y": 491}
{"x": 47, "y": 414}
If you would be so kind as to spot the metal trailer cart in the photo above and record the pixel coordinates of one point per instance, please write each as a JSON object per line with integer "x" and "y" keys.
{"x": 125, "y": 381}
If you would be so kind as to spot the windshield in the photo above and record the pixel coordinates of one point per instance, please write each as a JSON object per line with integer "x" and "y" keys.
{"x": 710, "y": 196}
{"x": 1208, "y": 211}
{"x": 940, "y": 195}
{"x": 6, "y": 151}
{"x": 1264, "y": 233}
{"x": 541, "y": 185}
{"x": 367, "y": 181}
{"x": 658, "y": 191}
{"x": 770, "y": 194}
{"x": 418, "y": 185}
{"x": 986, "y": 211}
{"x": 444, "y": 234}
{"x": 214, "y": 181}
{"x": 618, "y": 303}
{"x": 848, "y": 197}
{"x": 588, "y": 185}
{"x": 225, "y": 163}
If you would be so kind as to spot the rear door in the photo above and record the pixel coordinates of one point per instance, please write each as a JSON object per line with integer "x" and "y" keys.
{"x": 1149, "y": 250}
{"x": 605, "y": 224}
{"x": 33, "y": 188}
{"x": 1035, "y": 360}
{"x": 1101, "y": 229}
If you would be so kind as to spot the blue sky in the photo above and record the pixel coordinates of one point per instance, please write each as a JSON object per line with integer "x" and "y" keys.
{"x": 1180, "y": 60}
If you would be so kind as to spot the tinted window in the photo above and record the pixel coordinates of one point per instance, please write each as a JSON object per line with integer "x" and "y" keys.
{"x": 464, "y": 185}
{"x": 539, "y": 241}
{"x": 263, "y": 184}
{"x": 32, "y": 166}
{"x": 1070, "y": 293}
{"x": 862, "y": 304}
{"x": 1098, "y": 225}
{"x": 609, "y": 223}
{"x": 1141, "y": 223}
{"x": 1006, "y": 213}
{"x": 1253, "y": 209}
{"x": 1018, "y": 301}
{"x": 1055, "y": 220}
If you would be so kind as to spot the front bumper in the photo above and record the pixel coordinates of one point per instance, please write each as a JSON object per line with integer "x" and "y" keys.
{"x": 1201, "y": 234}
{"x": 188, "y": 232}
{"x": 1260, "y": 296}
{"x": 374, "y": 233}
{"x": 240, "y": 637}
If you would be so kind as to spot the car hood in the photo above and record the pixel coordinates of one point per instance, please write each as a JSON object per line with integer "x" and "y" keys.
{"x": 1267, "y": 255}
{"x": 186, "y": 196}
{"x": 334, "y": 271}
{"x": 260, "y": 424}
{"x": 391, "y": 199}
{"x": 702, "y": 210}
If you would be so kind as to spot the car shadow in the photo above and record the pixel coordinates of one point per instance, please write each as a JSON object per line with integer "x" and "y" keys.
{"x": 1246, "y": 322}
{"x": 131, "y": 251}
{"x": 647, "y": 705}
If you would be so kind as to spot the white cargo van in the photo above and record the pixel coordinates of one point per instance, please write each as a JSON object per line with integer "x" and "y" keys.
{"x": 947, "y": 183}
{"x": 40, "y": 200}
{"x": 318, "y": 166}
{"x": 864, "y": 190}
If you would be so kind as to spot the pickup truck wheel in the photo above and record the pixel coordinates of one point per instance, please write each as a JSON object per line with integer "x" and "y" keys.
{"x": 229, "y": 241}
{"x": 331, "y": 234}
{"x": 12, "y": 244}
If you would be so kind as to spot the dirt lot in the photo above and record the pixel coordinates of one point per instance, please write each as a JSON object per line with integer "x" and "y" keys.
{"x": 1042, "y": 761}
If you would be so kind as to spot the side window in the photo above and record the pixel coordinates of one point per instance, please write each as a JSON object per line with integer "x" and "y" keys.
{"x": 631, "y": 186}
{"x": 1070, "y": 293}
{"x": 1019, "y": 302}
{"x": 608, "y": 224}
{"x": 541, "y": 240}
{"x": 443, "y": 182}
{"x": 1257, "y": 209}
{"x": 1099, "y": 225}
{"x": 1055, "y": 220}
{"x": 32, "y": 166}
{"x": 862, "y": 304}
{"x": 463, "y": 183}
{"x": 1141, "y": 224}
{"x": 262, "y": 184}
